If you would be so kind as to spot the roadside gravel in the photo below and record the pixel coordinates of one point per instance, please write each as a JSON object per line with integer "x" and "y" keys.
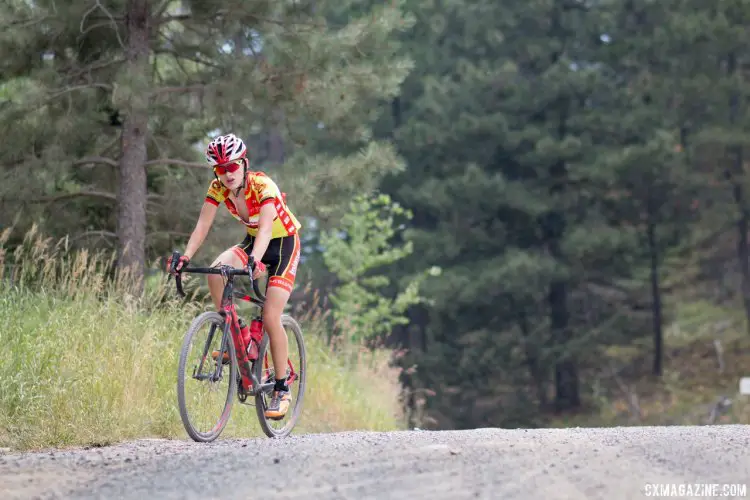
{"x": 611, "y": 463}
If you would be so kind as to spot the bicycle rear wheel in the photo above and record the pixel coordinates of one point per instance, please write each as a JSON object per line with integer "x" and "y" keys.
{"x": 264, "y": 372}
{"x": 208, "y": 371}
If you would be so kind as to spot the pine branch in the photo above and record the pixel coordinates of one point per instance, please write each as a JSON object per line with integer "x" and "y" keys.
{"x": 285, "y": 23}
{"x": 92, "y": 160}
{"x": 94, "y": 26}
{"x": 65, "y": 196}
{"x": 101, "y": 160}
{"x": 110, "y": 17}
{"x": 180, "y": 63}
{"x": 186, "y": 88}
{"x": 179, "y": 55}
{"x": 161, "y": 8}
{"x": 110, "y": 234}
{"x": 175, "y": 162}
{"x": 94, "y": 66}
{"x": 173, "y": 17}
{"x": 224, "y": 13}
{"x": 101, "y": 233}
{"x": 61, "y": 92}
{"x": 156, "y": 234}
{"x": 84, "y": 193}
{"x": 24, "y": 23}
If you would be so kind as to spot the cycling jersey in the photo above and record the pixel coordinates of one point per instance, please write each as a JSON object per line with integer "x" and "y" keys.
{"x": 259, "y": 190}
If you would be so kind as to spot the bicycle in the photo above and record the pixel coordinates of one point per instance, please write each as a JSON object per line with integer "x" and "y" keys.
{"x": 246, "y": 371}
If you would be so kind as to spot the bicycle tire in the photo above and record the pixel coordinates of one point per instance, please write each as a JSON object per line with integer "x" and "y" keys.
{"x": 289, "y": 323}
{"x": 205, "y": 437}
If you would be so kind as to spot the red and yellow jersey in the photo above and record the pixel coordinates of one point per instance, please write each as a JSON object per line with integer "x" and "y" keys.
{"x": 259, "y": 190}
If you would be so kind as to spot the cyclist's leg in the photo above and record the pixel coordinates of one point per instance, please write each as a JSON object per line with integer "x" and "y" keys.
{"x": 282, "y": 274}
{"x": 235, "y": 257}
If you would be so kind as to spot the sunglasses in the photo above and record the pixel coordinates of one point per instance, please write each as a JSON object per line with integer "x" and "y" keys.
{"x": 228, "y": 168}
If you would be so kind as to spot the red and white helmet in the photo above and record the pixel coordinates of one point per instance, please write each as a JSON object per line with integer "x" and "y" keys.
{"x": 224, "y": 149}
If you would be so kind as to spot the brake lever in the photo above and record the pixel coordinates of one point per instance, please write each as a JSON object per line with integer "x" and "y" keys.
{"x": 175, "y": 259}
{"x": 178, "y": 282}
{"x": 177, "y": 276}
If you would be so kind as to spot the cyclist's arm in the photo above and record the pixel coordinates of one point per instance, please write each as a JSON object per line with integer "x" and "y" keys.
{"x": 206, "y": 218}
{"x": 265, "y": 230}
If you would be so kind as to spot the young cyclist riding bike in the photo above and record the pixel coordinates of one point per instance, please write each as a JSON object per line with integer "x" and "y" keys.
{"x": 272, "y": 240}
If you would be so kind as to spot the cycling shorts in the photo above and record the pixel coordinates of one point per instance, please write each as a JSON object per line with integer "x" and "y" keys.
{"x": 281, "y": 259}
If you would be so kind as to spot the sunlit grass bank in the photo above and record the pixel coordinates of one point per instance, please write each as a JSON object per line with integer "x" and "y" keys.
{"x": 85, "y": 363}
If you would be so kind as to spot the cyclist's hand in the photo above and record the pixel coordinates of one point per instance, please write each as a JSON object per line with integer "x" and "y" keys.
{"x": 183, "y": 261}
{"x": 258, "y": 269}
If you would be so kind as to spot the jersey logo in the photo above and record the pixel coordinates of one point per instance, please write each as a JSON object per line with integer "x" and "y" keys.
{"x": 284, "y": 217}
{"x": 293, "y": 269}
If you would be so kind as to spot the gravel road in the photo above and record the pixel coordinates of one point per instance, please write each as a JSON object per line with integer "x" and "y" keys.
{"x": 609, "y": 463}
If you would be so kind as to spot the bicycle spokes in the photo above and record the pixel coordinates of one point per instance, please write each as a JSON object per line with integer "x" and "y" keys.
{"x": 206, "y": 388}
{"x": 214, "y": 356}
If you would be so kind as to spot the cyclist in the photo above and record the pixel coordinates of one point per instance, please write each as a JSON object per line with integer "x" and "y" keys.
{"x": 272, "y": 240}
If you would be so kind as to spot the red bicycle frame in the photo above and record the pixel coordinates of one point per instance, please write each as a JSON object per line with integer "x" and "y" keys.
{"x": 228, "y": 310}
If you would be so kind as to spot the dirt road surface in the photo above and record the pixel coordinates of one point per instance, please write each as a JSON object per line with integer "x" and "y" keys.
{"x": 614, "y": 463}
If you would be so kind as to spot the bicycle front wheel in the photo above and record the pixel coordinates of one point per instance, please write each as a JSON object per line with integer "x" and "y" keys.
{"x": 263, "y": 369}
{"x": 206, "y": 384}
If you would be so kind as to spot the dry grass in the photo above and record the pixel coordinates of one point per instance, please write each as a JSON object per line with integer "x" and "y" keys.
{"x": 85, "y": 362}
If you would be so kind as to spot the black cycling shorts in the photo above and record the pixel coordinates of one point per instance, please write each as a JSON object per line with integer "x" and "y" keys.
{"x": 281, "y": 259}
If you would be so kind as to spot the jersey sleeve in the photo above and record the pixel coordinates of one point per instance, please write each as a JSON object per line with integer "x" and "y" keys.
{"x": 215, "y": 194}
{"x": 266, "y": 189}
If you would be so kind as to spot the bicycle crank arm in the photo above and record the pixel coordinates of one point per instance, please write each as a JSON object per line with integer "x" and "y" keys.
{"x": 211, "y": 377}
{"x": 258, "y": 387}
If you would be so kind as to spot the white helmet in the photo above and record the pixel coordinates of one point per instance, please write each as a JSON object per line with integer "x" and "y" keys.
{"x": 224, "y": 149}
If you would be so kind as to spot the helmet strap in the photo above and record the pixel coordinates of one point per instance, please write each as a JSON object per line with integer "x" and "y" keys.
{"x": 244, "y": 173}
{"x": 244, "y": 179}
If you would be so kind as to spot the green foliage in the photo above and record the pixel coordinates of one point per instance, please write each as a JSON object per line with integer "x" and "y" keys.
{"x": 260, "y": 69}
{"x": 362, "y": 311}
{"x": 506, "y": 130}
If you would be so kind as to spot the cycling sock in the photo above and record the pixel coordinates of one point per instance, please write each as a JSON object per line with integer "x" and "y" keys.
{"x": 280, "y": 385}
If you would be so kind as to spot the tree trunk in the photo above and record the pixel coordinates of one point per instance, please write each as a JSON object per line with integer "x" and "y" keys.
{"x": 536, "y": 369}
{"x": 275, "y": 138}
{"x": 567, "y": 395}
{"x": 655, "y": 289}
{"x": 743, "y": 222}
{"x": 566, "y": 375}
{"x": 396, "y": 113}
{"x": 132, "y": 195}
{"x": 737, "y": 175}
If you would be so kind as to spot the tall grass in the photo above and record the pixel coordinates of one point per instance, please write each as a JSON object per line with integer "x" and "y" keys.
{"x": 86, "y": 361}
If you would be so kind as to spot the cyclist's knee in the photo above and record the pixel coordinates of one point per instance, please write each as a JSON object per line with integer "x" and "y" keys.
{"x": 271, "y": 313}
{"x": 229, "y": 257}
{"x": 276, "y": 300}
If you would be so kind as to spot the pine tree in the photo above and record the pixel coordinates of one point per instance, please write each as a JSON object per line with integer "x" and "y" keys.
{"x": 136, "y": 89}
{"x": 497, "y": 126}
{"x": 708, "y": 74}
{"x": 648, "y": 182}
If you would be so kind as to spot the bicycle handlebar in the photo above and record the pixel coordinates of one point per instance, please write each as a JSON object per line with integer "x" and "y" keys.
{"x": 224, "y": 270}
